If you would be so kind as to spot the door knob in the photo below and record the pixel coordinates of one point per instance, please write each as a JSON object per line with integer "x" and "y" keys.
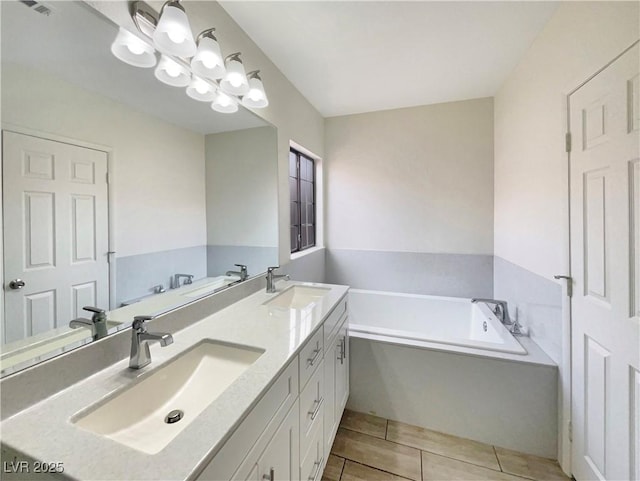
{"x": 16, "y": 284}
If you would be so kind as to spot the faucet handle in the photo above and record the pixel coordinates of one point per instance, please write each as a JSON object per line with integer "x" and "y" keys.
{"x": 138, "y": 322}
{"x": 271, "y": 269}
{"x": 96, "y": 310}
{"x": 241, "y": 266}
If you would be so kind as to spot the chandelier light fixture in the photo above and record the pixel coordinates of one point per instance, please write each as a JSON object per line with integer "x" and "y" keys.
{"x": 198, "y": 66}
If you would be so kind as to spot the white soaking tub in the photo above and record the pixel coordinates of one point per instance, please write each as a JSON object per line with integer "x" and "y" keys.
{"x": 449, "y": 365}
{"x": 447, "y": 320}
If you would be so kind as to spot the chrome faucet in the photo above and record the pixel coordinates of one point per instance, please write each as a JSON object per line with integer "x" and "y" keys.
{"x": 500, "y": 309}
{"x": 271, "y": 287}
{"x": 243, "y": 273}
{"x": 140, "y": 338}
{"x": 175, "y": 282}
{"x": 97, "y": 324}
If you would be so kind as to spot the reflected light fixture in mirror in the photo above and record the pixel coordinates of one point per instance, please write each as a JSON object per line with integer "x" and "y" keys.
{"x": 235, "y": 81}
{"x": 200, "y": 89}
{"x": 172, "y": 73}
{"x": 256, "y": 97}
{"x": 206, "y": 76}
{"x": 133, "y": 50}
{"x": 224, "y": 103}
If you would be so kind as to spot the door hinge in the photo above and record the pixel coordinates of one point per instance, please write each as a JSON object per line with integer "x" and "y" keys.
{"x": 567, "y": 142}
{"x": 570, "y": 431}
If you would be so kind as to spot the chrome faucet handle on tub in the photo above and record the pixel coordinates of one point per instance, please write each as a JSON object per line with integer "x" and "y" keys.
{"x": 501, "y": 310}
{"x": 271, "y": 286}
{"x": 140, "y": 338}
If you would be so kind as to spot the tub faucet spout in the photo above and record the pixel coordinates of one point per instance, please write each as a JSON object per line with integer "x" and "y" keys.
{"x": 500, "y": 309}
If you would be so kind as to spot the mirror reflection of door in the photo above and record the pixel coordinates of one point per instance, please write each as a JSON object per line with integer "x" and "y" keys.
{"x": 55, "y": 233}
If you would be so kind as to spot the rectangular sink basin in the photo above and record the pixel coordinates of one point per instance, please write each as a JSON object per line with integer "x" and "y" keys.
{"x": 298, "y": 297}
{"x": 137, "y": 415}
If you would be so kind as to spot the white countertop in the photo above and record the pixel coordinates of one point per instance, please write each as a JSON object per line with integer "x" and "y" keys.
{"x": 44, "y": 431}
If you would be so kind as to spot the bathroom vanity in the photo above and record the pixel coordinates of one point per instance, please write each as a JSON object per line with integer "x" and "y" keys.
{"x": 254, "y": 391}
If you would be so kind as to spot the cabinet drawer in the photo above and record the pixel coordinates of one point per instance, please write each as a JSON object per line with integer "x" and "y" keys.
{"x": 334, "y": 319}
{"x": 312, "y": 463}
{"x": 260, "y": 425}
{"x": 311, "y": 407}
{"x": 310, "y": 357}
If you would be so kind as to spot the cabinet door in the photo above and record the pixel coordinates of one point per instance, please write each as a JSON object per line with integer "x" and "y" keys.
{"x": 330, "y": 421}
{"x": 342, "y": 370}
{"x": 281, "y": 459}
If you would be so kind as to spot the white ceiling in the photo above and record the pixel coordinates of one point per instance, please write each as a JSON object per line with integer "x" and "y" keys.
{"x": 354, "y": 56}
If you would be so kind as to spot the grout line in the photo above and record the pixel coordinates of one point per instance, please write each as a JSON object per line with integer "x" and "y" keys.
{"x": 342, "y": 468}
{"x": 355, "y": 430}
{"x": 377, "y": 469}
{"x": 457, "y": 459}
{"x": 496, "y": 455}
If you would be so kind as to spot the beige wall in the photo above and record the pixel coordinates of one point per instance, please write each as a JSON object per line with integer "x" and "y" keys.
{"x": 159, "y": 204}
{"x": 531, "y": 213}
{"x": 242, "y": 192}
{"x": 531, "y": 172}
{"x": 412, "y": 180}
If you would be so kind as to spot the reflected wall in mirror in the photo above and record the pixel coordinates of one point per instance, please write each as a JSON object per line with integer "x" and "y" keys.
{"x": 189, "y": 191}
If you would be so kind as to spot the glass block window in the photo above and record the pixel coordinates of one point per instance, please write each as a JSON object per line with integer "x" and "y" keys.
{"x": 302, "y": 190}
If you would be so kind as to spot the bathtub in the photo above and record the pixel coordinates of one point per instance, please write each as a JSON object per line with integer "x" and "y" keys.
{"x": 446, "y": 320}
{"x": 451, "y": 366}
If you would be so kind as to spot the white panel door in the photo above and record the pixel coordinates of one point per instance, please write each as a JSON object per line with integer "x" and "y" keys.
{"x": 55, "y": 233}
{"x": 605, "y": 264}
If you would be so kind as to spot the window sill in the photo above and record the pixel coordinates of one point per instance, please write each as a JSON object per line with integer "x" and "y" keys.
{"x": 298, "y": 255}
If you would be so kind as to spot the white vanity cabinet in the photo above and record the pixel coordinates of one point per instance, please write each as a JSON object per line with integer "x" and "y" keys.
{"x": 247, "y": 449}
{"x": 336, "y": 373}
{"x": 280, "y": 459}
{"x": 289, "y": 433}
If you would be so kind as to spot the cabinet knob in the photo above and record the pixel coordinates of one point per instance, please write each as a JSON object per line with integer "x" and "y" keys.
{"x": 271, "y": 476}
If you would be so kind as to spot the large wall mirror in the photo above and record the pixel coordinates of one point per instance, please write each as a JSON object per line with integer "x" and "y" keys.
{"x": 113, "y": 183}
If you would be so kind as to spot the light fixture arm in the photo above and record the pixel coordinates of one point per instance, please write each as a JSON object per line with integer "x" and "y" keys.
{"x": 172, "y": 3}
{"x": 207, "y": 33}
{"x": 233, "y": 56}
{"x": 254, "y": 74}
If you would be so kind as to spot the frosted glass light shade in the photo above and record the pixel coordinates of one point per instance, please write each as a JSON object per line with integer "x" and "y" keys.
{"x": 208, "y": 62}
{"x": 235, "y": 81}
{"x": 200, "y": 89}
{"x": 224, "y": 103}
{"x": 133, "y": 50}
{"x": 172, "y": 73}
{"x": 256, "y": 97}
{"x": 173, "y": 33}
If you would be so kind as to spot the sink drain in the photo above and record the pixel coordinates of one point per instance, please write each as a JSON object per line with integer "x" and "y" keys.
{"x": 174, "y": 416}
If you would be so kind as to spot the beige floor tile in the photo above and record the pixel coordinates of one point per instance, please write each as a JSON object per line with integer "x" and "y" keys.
{"x": 360, "y": 472}
{"x": 364, "y": 423}
{"x": 529, "y": 466}
{"x": 333, "y": 469}
{"x": 444, "y": 444}
{"x": 440, "y": 468}
{"x": 377, "y": 453}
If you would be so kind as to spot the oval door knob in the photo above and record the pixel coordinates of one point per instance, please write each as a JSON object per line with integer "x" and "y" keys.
{"x": 16, "y": 284}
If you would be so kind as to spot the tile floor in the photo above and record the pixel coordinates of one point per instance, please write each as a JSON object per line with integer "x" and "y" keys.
{"x": 370, "y": 448}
